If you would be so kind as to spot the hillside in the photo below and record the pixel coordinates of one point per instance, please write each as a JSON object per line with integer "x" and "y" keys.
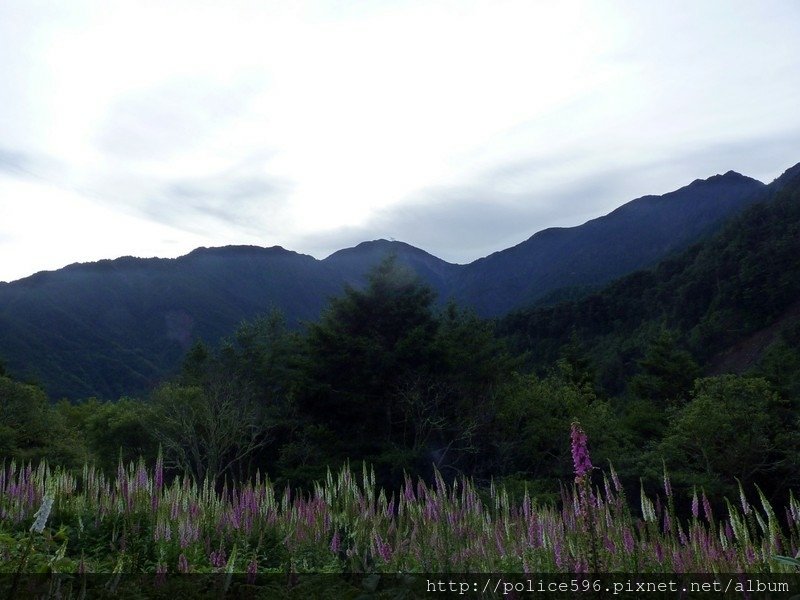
{"x": 354, "y": 263}
{"x": 636, "y": 235}
{"x": 725, "y": 299}
{"x": 116, "y": 327}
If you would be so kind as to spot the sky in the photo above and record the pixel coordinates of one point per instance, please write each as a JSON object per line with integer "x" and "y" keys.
{"x": 149, "y": 128}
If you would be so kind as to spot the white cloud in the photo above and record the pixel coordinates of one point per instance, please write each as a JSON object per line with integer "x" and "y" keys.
{"x": 336, "y": 122}
{"x": 45, "y": 228}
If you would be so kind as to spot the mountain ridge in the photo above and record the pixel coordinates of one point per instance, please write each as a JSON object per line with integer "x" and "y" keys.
{"x": 115, "y": 326}
{"x": 244, "y": 248}
{"x": 727, "y": 299}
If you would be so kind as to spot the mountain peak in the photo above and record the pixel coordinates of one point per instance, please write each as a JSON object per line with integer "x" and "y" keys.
{"x": 789, "y": 175}
{"x": 381, "y": 245}
{"x": 725, "y": 178}
{"x": 236, "y": 250}
{"x": 105, "y": 321}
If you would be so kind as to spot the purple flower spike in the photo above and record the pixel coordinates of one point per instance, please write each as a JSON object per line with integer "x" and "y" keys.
{"x": 252, "y": 571}
{"x": 383, "y": 548}
{"x": 183, "y": 564}
{"x": 627, "y": 539}
{"x": 141, "y": 477}
{"x": 161, "y": 574}
{"x": 159, "y": 473}
{"x": 218, "y": 558}
{"x": 580, "y": 452}
{"x": 707, "y": 508}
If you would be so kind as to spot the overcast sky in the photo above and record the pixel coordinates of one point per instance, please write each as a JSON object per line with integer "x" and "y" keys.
{"x": 149, "y": 128}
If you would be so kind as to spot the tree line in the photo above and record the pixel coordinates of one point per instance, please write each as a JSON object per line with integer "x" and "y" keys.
{"x": 388, "y": 378}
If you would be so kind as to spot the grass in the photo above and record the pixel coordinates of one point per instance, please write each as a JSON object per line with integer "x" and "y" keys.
{"x": 134, "y": 522}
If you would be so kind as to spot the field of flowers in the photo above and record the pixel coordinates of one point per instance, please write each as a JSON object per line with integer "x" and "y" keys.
{"x": 52, "y": 521}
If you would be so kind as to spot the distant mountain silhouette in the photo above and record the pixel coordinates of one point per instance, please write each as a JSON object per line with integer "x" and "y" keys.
{"x": 638, "y": 234}
{"x": 354, "y": 263}
{"x": 727, "y": 299}
{"x": 115, "y": 327}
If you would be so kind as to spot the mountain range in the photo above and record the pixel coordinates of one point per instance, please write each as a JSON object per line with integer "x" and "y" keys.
{"x": 732, "y": 301}
{"x": 116, "y": 327}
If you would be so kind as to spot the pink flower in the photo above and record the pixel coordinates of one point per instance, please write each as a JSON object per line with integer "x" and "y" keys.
{"x": 580, "y": 452}
{"x": 217, "y": 558}
{"x": 384, "y": 550}
{"x": 667, "y": 484}
{"x": 161, "y": 574}
{"x": 159, "y": 472}
{"x": 183, "y": 564}
{"x": 627, "y": 539}
{"x": 252, "y": 570}
{"x": 707, "y": 508}
{"x": 609, "y": 544}
{"x": 336, "y": 542}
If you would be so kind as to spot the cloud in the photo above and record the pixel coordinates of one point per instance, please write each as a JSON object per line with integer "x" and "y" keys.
{"x": 173, "y": 117}
{"x": 247, "y": 123}
{"x": 460, "y": 224}
{"x": 506, "y": 204}
{"x": 243, "y": 201}
{"x": 14, "y": 162}
{"x": 25, "y": 164}
{"x": 763, "y": 157}
{"x": 474, "y": 221}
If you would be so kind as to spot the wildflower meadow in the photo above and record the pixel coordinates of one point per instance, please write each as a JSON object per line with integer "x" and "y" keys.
{"x": 135, "y": 522}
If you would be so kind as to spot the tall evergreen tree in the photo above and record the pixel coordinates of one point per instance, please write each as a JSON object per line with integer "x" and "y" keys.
{"x": 666, "y": 373}
{"x": 366, "y": 344}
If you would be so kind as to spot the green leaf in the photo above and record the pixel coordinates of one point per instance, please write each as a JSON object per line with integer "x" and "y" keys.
{"x": 787, "y": 560}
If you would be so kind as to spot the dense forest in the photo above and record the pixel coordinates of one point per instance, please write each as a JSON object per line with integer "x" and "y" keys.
{"x": 390, "y": 377}
{"x": 118, "y": 327}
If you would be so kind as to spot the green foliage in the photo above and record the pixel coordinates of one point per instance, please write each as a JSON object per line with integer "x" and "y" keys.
{"x": 110, "y": 430}
{"x": 388, "y": 378}
{"x": 208, "y": 430}
{"x": 733, "y": 428}
{"x": 366, "y": 346}
{"x": 651, "y": 334}
{"x": 666, "y": 373}
{"x": 533, "y": 423}
{"x": 29, "y": 429}
{"x": 230, "y": 409}
{"x": 131, "y": 523}
{"x": 263, "y": 354}
{"x": 709, "y": 297}
{"x": 367, "y": 343}
{"x": 781, "y": 364}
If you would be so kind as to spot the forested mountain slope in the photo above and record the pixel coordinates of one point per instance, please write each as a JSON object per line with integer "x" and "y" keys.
{"x": 636, "y": 235}
{"x": 712, "y": 297}
{"x": 116, "y": 327}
